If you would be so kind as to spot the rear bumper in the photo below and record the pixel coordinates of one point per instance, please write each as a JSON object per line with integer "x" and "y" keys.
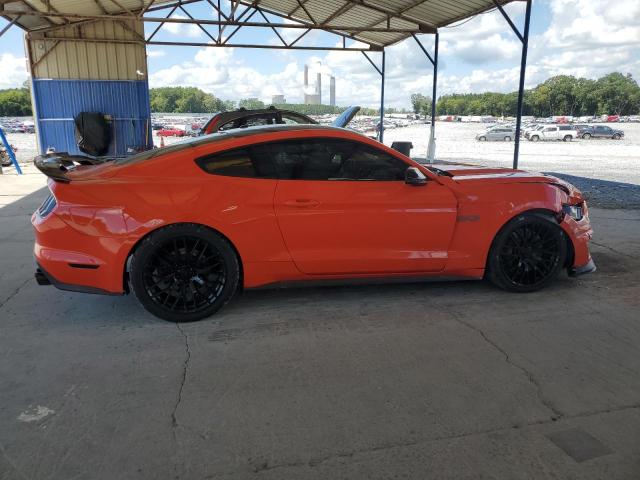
{"x": 45, "y": 278}
{"x": 74, "y": 261}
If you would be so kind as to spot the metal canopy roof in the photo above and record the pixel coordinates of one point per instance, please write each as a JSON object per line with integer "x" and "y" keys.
{"x": 376, "y": 23}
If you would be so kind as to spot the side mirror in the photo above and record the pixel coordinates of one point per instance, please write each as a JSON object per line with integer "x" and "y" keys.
{"x": 414, "y": 177}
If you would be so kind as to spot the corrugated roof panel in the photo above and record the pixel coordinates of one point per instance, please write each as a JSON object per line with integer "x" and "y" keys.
{"x": 428, "y": 14}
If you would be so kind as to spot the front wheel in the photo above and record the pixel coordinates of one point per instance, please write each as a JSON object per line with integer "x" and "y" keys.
{"x": 535, "y": 138}
{"x": 527, "y": 254}
{"x": 586, "y": 136}
{"x": 616, "y": 136}
{"x": 507, "y": 139}
{"x": 184, "y": 272}
{"x": 482, "y": 139}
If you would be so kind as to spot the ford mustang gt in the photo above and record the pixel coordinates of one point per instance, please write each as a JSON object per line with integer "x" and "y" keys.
{"x": 186, "y": 226}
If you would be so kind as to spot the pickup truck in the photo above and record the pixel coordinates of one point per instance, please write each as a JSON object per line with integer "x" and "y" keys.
{"x": 565, "y": 133}
{"x": 601, "y": 131}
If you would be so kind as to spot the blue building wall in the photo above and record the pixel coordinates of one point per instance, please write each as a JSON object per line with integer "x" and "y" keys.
{"x": 126, "y": 101}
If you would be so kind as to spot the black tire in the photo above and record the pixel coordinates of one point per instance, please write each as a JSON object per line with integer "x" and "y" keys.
{"x": 535, "y": 138}
{"x": 527, "y": 254}
{"x": 184, "y": 272}
{"x": 507, "y": 139}
{"x": 586, "y": 136}
{"x": 616, "y": 136}
{"x": 567, "y": 138}
{"x": 482, "y": 139}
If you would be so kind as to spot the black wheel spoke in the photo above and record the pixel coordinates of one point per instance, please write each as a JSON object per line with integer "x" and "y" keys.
{"x": 530, "y": 254}
{"x": 185, "y": 274}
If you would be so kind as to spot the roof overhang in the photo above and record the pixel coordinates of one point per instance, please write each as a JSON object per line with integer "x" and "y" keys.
{"x": 375, "y": 23}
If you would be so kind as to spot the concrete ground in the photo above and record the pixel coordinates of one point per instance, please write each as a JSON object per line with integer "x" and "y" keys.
{"x": 437, "y": 380}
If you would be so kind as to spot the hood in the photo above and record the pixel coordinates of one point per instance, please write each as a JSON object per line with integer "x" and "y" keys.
{"x": 343, "y": 120}
{"x": 471, "y": 174}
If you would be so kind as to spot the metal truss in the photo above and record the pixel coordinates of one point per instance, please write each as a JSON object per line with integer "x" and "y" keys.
{"x": 239, "y": 14}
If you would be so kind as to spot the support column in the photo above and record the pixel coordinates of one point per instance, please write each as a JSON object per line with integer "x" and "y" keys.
{"x": 523, "y": 68}
{"x": 431, "y": 150}
{"x": 381, "y": 133}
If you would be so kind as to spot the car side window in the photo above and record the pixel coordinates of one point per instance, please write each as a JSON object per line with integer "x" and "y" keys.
{"x": 252, "y": 162}
{"x": 334, "y": 160}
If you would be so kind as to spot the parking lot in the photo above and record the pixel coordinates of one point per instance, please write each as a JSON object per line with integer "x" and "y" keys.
{"x": 430, "y": 380}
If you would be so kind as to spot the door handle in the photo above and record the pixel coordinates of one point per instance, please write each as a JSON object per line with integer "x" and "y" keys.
{"x": 302, "y": 203}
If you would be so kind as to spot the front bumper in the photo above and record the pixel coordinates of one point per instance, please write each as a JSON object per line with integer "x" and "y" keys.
{"x": 590, "y": 267}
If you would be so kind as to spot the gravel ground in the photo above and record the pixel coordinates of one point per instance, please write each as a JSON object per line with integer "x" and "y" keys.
{"x": 607, "y": 171}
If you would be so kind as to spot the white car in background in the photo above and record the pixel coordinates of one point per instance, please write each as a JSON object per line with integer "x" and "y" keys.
{"x": 566, "y": 133}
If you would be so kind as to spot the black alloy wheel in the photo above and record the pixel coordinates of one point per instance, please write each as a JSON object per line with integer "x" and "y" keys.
{"x": 527, "y": 254}
{"x": 184, "y": 272}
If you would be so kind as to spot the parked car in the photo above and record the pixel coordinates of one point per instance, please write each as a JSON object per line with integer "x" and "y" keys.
{"x": 243, "y": 118}
{"x": 497, "y": 133}
{"x": 171, "y": 132}
{"x": 529, "y": 131}
{"x": 287, "y": 203}
{"x": 581, "y": 128}
{"x": 565, "y": 133}
{"x": 601, "y": 131}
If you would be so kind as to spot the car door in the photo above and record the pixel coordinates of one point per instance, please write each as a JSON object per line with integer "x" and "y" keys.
{"x": 599, "y": 131}
{"x": 344, "y": 208}
{"x": 550, "y": 133}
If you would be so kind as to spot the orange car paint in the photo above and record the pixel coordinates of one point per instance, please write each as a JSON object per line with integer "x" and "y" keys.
{"x": 293, "y": 230}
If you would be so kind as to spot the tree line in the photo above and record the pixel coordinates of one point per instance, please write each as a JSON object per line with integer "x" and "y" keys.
{"x": 15, "y": 102}
{"x": 614, "y": 93}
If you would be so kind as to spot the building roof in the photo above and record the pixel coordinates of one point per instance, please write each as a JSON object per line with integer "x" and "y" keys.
{"x": 378, "y": 23}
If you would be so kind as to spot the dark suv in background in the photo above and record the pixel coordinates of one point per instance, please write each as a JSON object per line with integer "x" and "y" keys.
{"x": 600, "y": 131}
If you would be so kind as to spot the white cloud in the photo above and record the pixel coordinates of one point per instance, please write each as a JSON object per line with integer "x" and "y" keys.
{"x": 182, "y": 29}
{"x": 14, "y": 70}
{"x": 152, "y": 53}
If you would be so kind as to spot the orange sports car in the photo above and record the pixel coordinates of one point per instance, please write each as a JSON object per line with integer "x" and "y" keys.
{"x": 186, "y": 226}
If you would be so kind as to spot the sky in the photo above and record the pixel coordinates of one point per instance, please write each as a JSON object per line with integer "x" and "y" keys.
{"x": 586, "y": 38}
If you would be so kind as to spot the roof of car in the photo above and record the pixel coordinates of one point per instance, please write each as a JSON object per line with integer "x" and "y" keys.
{"x": 230, "y": 134}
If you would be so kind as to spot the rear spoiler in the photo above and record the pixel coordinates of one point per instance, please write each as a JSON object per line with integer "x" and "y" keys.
{"x": 57, "y": 165}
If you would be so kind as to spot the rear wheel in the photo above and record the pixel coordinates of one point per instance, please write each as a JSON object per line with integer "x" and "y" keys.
{"x": 184, "y": 272}
{"x": 507, "y": 139}
{"x": 527, "y": 254}
{"x": 567, "y": 138}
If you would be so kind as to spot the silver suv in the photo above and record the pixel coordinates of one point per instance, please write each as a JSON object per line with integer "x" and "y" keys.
{"x": 498, "y": 133}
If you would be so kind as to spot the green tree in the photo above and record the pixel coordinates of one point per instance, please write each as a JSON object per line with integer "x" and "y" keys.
{"x": 251, "y": 104}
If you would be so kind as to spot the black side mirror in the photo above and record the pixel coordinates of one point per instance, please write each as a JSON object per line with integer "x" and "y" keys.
{"x": 414, "y": 177}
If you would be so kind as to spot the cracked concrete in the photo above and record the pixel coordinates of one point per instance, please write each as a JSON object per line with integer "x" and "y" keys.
{"x": 438, "y": 380}
{"x": 557, "y": 414}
